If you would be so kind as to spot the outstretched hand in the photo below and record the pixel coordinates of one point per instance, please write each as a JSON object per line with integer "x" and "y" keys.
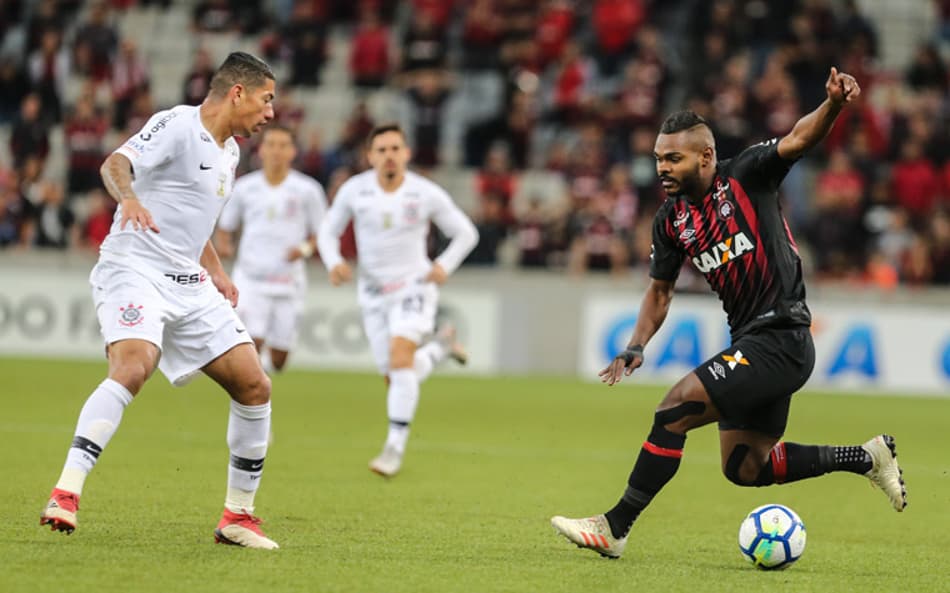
{"x": 622, "y": 365}
{"x": 842, "y": 87}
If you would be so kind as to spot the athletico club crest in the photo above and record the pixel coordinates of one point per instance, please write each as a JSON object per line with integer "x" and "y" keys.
{"x": 131, "y": 315}
{"x": 726, "y": 209}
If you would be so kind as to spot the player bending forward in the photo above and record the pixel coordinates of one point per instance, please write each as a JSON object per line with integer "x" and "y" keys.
{"x": 279, "y": 211}
{"x": 398, "y": 284}
{"x": 162, "y": 298}
{"x": 725, "y": 217}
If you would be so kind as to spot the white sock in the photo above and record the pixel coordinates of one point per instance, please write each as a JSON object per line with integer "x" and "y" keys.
{"x": 248, "y": 429}
{"x": 401, "y": 402}
{"x": 98, "y": 421}
{"x": 397, "y": 437}
{"x": 427, "y": 356}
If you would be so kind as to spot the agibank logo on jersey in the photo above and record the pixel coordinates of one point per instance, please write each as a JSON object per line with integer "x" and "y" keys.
{"x": 723, "y": 253}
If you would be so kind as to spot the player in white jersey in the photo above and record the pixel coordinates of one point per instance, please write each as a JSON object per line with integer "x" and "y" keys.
{"x": 162, "y": 297}
{"x": 398, "y": 285}
{"x": 278, "y": 211}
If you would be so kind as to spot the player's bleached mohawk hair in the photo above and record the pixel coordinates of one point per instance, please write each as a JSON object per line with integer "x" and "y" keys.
{"x": 240, "y": 68}
{"x": 680, "y": 121}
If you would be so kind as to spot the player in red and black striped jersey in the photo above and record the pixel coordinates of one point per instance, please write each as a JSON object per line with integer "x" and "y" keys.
{"x": 734, "y": 234}
{"x": 725, "y": 217}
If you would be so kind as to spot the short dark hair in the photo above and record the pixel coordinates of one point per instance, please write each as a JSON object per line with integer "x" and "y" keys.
{"x": 383, "y": 129}
{"x": 279, "y": 127}
{"x": 682, "y": 120}
{"x": 240, "y": 68}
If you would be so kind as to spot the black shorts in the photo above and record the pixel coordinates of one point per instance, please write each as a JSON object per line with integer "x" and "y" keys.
{"x": 752, "y": 381}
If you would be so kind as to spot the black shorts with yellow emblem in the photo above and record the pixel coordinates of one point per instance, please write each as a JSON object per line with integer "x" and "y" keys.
{"x": 752, "y": 381}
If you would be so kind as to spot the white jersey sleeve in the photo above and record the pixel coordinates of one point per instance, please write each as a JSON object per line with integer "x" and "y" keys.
{"x": 334, "y": 223}
{"x": 149, "y": 149}
{"x": 315, "y": 207}
{"x": 457, "y": 226}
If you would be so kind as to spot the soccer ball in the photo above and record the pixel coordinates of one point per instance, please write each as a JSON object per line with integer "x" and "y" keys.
{"x": 772, "y": 537}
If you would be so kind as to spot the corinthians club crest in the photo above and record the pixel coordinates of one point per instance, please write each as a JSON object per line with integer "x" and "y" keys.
{"x": 412, "y": 212}
{"x": 131, "y": 315}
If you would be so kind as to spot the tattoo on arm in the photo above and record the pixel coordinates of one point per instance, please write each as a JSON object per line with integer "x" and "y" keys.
{"x": 117, "y": 176}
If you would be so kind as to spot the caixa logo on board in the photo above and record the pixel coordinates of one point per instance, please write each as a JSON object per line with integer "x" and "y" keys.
{"x": 679, "y": 344}
{"x": 851, "y": 353}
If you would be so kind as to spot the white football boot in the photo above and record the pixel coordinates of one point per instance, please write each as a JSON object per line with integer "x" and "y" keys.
{"x": 387, "y": 464}
{"x": 885, "y": 473}
{"x": 592, "y": 533}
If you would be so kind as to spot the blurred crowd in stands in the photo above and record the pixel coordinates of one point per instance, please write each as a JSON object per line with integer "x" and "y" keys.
{"x": 582, "y": 88}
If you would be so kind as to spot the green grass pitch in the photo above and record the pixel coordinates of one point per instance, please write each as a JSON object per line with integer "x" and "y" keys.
{"x": 489, "y": 462}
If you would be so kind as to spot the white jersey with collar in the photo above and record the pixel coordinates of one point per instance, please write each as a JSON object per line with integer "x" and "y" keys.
{"x": 273, "y": 220}
{"x": 392, "y": 229}
{"x": 184, "y": 179}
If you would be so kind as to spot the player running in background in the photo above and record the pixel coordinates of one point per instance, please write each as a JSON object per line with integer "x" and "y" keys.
{"x": 278, "y": 211}
{"x": 726, "y": 218}
{"x": 398, "y": 284}
{"x": 162, "y": 297}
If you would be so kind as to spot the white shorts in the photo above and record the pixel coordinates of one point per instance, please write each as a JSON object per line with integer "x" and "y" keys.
{"x": 270, "y": 317}
{"x": 191, "y": 325}
{"x": 406, "y": 313}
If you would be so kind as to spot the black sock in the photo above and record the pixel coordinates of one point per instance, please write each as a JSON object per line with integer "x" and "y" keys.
{"x": 656, "y": 465}
{"x": 790, "y": 462}
{"x": 852, "y": 458}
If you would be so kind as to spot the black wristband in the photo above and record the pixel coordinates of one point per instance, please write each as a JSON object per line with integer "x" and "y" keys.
{"x": 630, "y": 353}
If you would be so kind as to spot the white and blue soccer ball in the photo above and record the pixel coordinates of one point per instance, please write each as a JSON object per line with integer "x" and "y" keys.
{"x": 772, "y": 537}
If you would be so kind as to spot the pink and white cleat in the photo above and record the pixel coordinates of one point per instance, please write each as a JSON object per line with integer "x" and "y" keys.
{"x": 242, "y": 529}
{"x": 60, "y": 511}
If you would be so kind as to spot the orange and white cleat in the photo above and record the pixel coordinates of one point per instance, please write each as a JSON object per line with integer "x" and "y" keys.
{"x": 242, "y": 529}
{"x": 60, "y": 511}
{"x": 592, "y": 533}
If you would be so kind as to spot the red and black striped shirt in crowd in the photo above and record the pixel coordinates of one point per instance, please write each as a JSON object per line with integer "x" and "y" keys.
{"x": 738, "y": 239}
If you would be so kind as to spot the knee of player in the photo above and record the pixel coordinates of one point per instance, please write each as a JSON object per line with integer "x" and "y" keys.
{"x": 401, "y": 359}
{"x": 736, "y": 476}
{"x": 131, "y": 375}
{"x": 257, "y": 391}
{"x": 742, "y": 469}
{"x": 678, "y": 415}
